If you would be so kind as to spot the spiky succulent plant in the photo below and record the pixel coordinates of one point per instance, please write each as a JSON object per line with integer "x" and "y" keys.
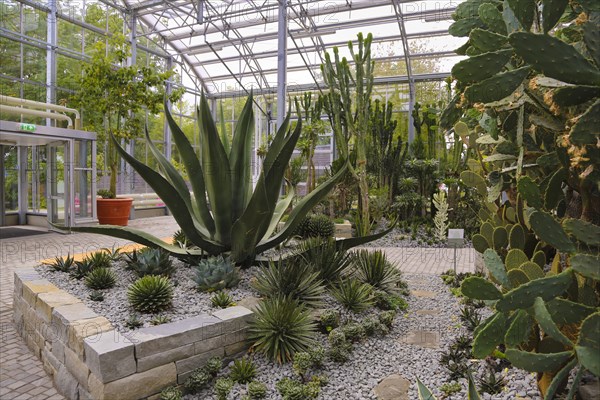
{"x": 150, "y": 262}
{"x": 320, "y": 225}
{"x": 353, "y": 294}
{"x": 325, "y": 258}
{"x": 257, "y": 390}
{"x": 243, "y": 370}
{"x": 100, "y": 278}
{"x": 151, "y": 294}
{"x": 373, "y": 268}
{"x": 82, "y": 268}
{"x": 216, "y": 273}
{"x": 100, "y": 259}
{"x": 62, "y": 264}
{"x": 171, "y": 393}
{"x": 222, "y": 299}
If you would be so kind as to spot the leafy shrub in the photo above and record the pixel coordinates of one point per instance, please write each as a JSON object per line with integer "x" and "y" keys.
{"x": 257, "y": 390}
{"x": 96, "y": 295}
{"x": 223, "y": 387}
{"x": 82, "y": 268}
{"x": 281, "y": 327}
{"x": 198, "y": 380}
{"x": 329, "y": 320}
{"x": 294, "y": 390}
{"x": 375, "y": 269}
{"x": 340, "y": 353}
{"x": 214, "y": 365}
{"x": 171, "y": 393}
{"x": 160, "y": 319}
{"x": 243, "y": 370}
{"x": 325, "y": 258}
{"x": 62, "y": 264}
{"x": 450, "y": 388}
{"x": 100, "y": 259}
{"x": 134, "y": 322}
{"x": 150, "y": 294}
{"x": 470, "y": 317}
{"x": 490, "y": 383}
{"x": 180, "y": 239}
{"x": 222, "y": 299}
{"x": 386, "y": 301}
{"x": 387, "y": 318}
{"x": 150, "y": 261}
{"x": 100, "y": 278}
{"x": 353, "y": 295}
{"x": 288, "y": 278}
{"x": 216, "y": 273}
{"x": 337, "y": 337}
{"x": 354, "y": 332}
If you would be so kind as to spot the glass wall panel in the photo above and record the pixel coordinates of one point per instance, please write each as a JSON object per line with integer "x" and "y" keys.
{"x": 34, "y": 64}
{"x": 34, "y": 23}
{"x": 11, "y": 179}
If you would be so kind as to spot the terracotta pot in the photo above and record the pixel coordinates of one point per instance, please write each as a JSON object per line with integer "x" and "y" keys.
{"x": 114, "y": 211}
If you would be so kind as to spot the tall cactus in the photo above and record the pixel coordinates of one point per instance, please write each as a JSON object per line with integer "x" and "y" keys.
{"x": 348, "y": 108}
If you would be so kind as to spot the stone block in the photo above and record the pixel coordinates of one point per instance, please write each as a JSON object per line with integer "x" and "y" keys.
{"x": 155, "y": 360}
{"x": 32, "y": 288}
{"x": 92, "y": 328}
{"x": 164, "y": 337}
{"x": 72, "y": 312}
{"x": 50, "y": 363}
{"x": 134, "y": 386}
{"x": 46, "y": 302}
{"x": 394, "y": 387}
{"x": 191, "y": 363}
{"x": 58, "y": 350}
{"x": 24, "y": 275}
{"x": 209, "y": 344}
{"x": 236, "y": 348}
{"x": 66, "y": 384}
{"x": 109, "y": 356}
{"x": 235, "y": 314}
{"x": 77, "y": 368}
{"x": 84, "y": 394}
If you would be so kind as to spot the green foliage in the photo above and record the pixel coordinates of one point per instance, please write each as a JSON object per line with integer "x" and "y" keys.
{"x": 470, "y": 317}
{"x": 282, "y": 327}
{"x": 150, "y": 294}
{"x": 160, "y": 319}
{"x": 385, "y": 301}
{"x": 387, "y": 318}
{"x": 450, "y": 388}
{"x": 180, "y": 239}
{"x": 302, "y": 363}
{"x": 291, "y": 279}
{"x": 215, "y": 273}
{"x": 340, "y": 353}
{"x": 329, "y": 320}
{"x": 213, "y": 365}
{"x": 222, "y": 299}
{"x": 198, "y": 380}
{"x": 223, "y": 387}
{"x": 337, "y": 337}
{"x": 353, "y": 332}
{"x": 353, "y": 295}
{"x": 100, "y": 259}
{"x": 320, "y": 225}
{"x": 441, "y": 216}
{"x": 62, "y": 264}
{"x": 82, "y": 268}
{"x": 100, "y": 278}
{"x": 150, "y": 262}
{"x": 243, "y": 370}
{"x": 96, "y": 295}
{"x": 257, "y": 390}
{"x": 134, "y": 322}
{"x": 171, "y": 393}
{"x": 373, "y": 268}
{"x": 325, "y": 258}
{"x": 294, "y": 390}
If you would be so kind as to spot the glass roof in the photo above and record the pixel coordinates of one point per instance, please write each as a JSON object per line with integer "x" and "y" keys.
{"x": 230, "y": 46}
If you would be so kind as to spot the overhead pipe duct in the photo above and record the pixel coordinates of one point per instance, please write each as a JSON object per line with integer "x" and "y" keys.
{"x": 36, "y": 113}
{"x": 43, "y": 106}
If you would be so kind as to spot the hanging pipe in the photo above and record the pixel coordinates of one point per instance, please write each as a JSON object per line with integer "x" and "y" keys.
{"x": 43, "y": 106}
{"x": 36, "y": 113}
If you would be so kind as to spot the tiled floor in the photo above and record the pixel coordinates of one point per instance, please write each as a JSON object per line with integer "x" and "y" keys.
{"x": 22, "y": 375}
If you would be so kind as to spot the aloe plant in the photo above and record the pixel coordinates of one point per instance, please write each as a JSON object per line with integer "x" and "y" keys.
{"x": 223, "y": 214}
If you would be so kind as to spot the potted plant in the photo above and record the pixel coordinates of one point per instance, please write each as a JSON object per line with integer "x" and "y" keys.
{"x": 114, "y": 98}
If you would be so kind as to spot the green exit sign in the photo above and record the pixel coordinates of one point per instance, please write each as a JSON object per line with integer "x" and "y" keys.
{"x": 27, "y": 127}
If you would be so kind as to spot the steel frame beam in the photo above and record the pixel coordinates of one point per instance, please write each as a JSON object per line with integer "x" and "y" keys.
{"x": 409, "y": 73}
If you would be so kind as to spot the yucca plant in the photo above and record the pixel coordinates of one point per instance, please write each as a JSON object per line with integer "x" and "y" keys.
{"x": 325, "y": 258}
{"x": 150, "y": 294}
{"x": 353, "y": 294}
{"x": 240, "y": 221}
{"x": 373, "y": 267}
{"x": 281, "y": 327}
{"x": 62, "y": 264}
{"x": 100, "y": 278}
{"x": 114, "y": 253}
{"x": 82, "y": 268}
{"x": 150, "y": 261}
{"x": 216, "y": 273}
{"x": 222, "y": 299}
{"x": 243, "y": 370}
{"x": 100, "y": 259}
{"x": 288, "y": 278}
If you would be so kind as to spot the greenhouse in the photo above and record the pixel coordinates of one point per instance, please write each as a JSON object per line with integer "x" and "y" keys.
{"x": 331, "y": 199}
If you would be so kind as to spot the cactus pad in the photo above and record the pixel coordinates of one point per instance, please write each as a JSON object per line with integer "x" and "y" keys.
{"x": 574, "y": 95}
{"x": 480, "y": 243}
{"x": 530, "y": 192}
{"x": 494, "y": 264}
{"x": 477, "y": 68}
{"x": 476, "y": 287}
{"x": 515, "y": 258}
{"x": 585, "y": 131}
{"x": 517, "y": 277}
{"x": 545, "y": 321}
{"x": 490, "y": 336}
{"x": 471, "y": 179}
{"x": 591, "y": 38}
{"x": 486, "y": 40}
{"x": 516, "y": 238}
{"x": 489, "y": 14}
{"x": 534, "y": 362}
{"x": 554, "y": 58}
{"x": 500, "y": 238}
{"x": 524, "y": 11}
{"x": 524, "y": 296}
{"x": 539, "y": 257}
{"x": 554, "y": 191}
{"x": 583, "y": 231}
{"x": 587, "y": 265}
{"x": 551, "y": 13}
{"x": 469, "y": 8}
{"x": 566, "y": 312}
{"x": 519, "y": 330}
{"x": 588, "y": 346}
{"x": 532, "y": 270}
{"x": 549, "y": 230}
{"x": 463, "y": 27}
{"x": 497, "y": 87}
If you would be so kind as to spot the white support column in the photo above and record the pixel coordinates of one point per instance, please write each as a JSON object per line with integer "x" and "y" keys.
{"x": 51, "y": 56}
{"x": 22, "y": 160}
{"x": 282, "y": 62}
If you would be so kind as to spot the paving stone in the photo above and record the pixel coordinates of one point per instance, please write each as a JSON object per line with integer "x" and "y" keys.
{"x": 422, "y": 338}
{"x": 110, "y": 356}
{"x": 423, "y": 293}
{"x": 394, "y": 387}
{"x": 134, "y": 386}
{"x": 249, "y": 302}
{"x": 428, "y": 312}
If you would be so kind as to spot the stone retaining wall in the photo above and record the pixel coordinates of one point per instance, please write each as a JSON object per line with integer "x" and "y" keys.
{"x": 88, "y": 359}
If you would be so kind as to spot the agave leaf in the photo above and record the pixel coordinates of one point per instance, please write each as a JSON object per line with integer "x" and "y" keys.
{"x": 240, "y": 160}
{"x": 280, "y": 208}
{"x": 223, "y": 133}
{"x": 345, "y": 244}
{"x": 215, "y": 165}
{"x": 194, "y": 171}
{"x": 424, "y": 392}
{"x": 172, "y": 199}
{"x": 277, "y": 143}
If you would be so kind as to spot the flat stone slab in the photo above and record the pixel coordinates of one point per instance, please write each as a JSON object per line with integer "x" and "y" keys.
{"x": 249, "y": 302}
{"x": 422, "y": 338}
{"x": 423, "y": 293}
{"x": 394, "y": 387}
{"x": 428, "y": 312}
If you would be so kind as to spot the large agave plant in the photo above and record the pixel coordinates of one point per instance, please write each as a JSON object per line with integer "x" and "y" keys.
{"x": 224, "y": 214}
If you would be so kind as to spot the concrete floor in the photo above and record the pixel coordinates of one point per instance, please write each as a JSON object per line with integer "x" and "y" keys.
{"x": 21, "y": 373}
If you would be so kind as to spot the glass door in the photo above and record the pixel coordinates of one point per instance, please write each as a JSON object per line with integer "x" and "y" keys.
{"x": 58, "y": 183}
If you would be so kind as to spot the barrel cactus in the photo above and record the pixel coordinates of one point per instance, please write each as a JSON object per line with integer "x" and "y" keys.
{"x": 320, "y": 226}
{"x": 151, "y": 294}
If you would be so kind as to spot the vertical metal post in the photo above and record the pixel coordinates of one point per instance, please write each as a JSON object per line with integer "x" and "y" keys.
{"x": 454, "y": 260}
{"x": 2, "y": 190}
{"x": 51, "y": 56}
{"x": 22, "y": 184}
{"x": 167, "y": 131}
{"x": 282, "y": 61}
{"x": 94, "y": 180}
